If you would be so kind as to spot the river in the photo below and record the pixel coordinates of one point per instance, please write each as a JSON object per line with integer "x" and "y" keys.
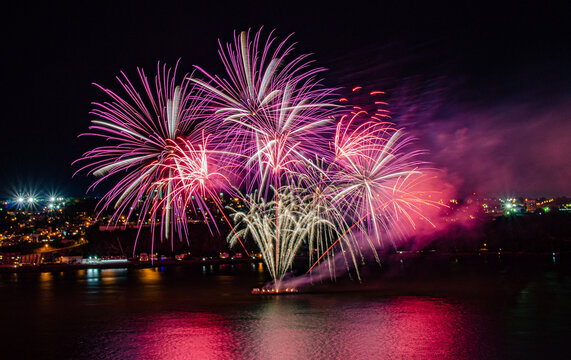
{"x": 456, "y": 310}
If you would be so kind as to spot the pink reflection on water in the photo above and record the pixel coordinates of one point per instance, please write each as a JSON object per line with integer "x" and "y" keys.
{"x": 411, "y": 328}
{"x": 185, "y": 336}
{"x": 315, "y": 327}
{"x": 397, "y": 328}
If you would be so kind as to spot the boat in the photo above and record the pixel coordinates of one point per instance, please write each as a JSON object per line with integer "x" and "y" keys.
{"x": 286, "y": 291}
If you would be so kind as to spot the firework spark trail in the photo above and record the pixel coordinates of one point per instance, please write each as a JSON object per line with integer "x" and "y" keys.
{"x": 378, "y": 182}
{"x": 141, "y": 128}
{"x": 274, "y": 111}
{"x": 401, "y": 213}
{"x": 296, "y": 219}
{"x": 191, "y": 175}
{"x": 317, "y": 197}
{"x": 370, "y": 162}
{"x": 198, "y": 173}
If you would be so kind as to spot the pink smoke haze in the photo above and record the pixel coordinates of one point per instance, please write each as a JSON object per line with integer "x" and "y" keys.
{"x": 507, "y": 149}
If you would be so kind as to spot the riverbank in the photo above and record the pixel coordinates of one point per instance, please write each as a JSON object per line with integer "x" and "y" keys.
{"x": 122, "y": 264}
{"x": 388, "y": 260}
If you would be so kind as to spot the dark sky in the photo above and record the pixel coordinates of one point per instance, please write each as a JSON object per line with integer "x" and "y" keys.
{"x": 485, "y": 87}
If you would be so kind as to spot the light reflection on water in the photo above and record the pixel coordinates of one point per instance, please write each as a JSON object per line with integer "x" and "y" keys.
{"x": 207, "y": 313}
{"x": 282, "y": 329}
{"x": 150, "y": 275}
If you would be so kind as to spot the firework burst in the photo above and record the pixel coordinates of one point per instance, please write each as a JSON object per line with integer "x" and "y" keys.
{"x": 142, "y": 129}
{"x": 273, "y": 111}
{"x": 196, "y": 174}
{"x": 279, "y": 227}
{"x": 377, "y": 182}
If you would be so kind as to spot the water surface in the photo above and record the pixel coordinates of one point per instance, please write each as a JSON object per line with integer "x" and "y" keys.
{"x": 206, "y": 312}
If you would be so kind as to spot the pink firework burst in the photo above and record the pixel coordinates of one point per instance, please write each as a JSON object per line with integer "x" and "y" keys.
{"x": 196, "y": 174}
{"x": 140, "y": 129}
{"x": 273, "y": 111}
{"x": 377, "y": 179}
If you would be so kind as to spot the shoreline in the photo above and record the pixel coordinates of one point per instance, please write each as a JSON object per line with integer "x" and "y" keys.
{"x": 120, "y": 265}
{"x": 199, "y": 261}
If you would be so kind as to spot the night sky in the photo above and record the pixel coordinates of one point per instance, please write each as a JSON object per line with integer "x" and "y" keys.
{"x": 485, "y": 88}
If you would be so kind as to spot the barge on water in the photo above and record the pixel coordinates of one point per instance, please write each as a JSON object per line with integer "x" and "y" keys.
{"x": 286, "y": 291}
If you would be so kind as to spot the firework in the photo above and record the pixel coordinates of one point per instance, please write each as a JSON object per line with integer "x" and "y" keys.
{"x": 142, "y": 129}
{"x": 314, "y": 172}
{"x": 279, "y": 227}
{"x": 377, "y": 181}
{"x": 372, "y": 171}
{"x": 274, "y": 112}
{"x": 195, "y": 174}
